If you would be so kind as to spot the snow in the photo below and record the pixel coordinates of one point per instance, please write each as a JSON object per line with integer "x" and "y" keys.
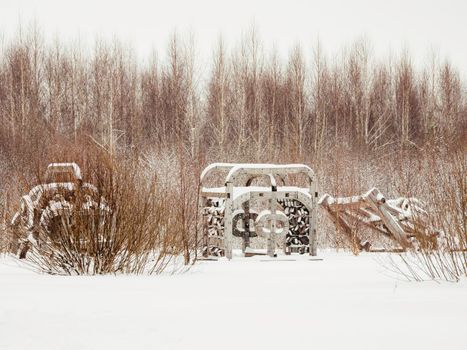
{"x": 341, "y": 302}
{"x": 63, "y": 168}
{"x": 263, "y": 168}
{"x": 241, "y": 190}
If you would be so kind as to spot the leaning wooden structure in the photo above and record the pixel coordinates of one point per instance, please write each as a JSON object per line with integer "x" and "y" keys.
{"x": 275, "y": 202}
{"x": 402, "y": 220}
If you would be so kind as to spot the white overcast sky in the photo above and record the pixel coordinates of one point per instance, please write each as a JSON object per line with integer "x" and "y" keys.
{"x": 420, "y": 26}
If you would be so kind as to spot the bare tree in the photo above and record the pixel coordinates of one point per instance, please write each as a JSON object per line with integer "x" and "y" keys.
{"x": 298, "y": 104}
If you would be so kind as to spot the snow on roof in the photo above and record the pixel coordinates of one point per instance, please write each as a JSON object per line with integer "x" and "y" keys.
{"x": 238, "y": 167}
{"x": 282, "y": 169}
{"x": 238, "y": 191}
{"x": 64, "y": 167}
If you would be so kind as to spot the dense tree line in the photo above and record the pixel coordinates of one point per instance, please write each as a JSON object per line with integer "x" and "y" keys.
{"x": 250, "y": 102}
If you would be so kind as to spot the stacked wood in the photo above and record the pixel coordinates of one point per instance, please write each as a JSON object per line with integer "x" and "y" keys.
{"x": 297, "y": 239}
{"x": 213, "y": 214}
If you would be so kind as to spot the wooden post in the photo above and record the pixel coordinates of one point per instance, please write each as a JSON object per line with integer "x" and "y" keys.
{"x": 312, "y": 219}
{"x": 205, "y": 240}
{"x": 228, "y": 236}
{"x": 271, "y": 241}
{"x": 246, "y": 226}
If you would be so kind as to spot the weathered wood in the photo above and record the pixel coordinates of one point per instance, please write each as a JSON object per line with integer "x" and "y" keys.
{"x": 395, "y": 218}
{"x": 239, "y": 197}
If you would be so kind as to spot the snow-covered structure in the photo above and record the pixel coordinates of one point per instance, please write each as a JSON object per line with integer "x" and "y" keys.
{"x": 403, "y": 220}
{"x": 46, "y": 205}
{"x": 274, "y": 202}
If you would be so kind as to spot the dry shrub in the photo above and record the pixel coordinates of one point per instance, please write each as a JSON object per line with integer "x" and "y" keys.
{"x": 445, "y": 191}
{"x": 132, "y": 232}
{"x": 178, "y": 174}
{"x": 6, "y": 194}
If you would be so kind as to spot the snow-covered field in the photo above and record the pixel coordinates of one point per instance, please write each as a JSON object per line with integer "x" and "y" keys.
{"x": 342, "y": 302}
